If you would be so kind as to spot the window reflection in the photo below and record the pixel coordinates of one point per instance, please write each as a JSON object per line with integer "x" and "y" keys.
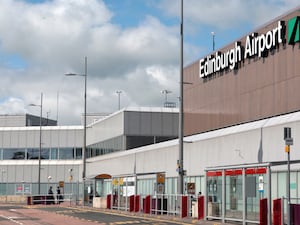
{"x": 46, "y": 153}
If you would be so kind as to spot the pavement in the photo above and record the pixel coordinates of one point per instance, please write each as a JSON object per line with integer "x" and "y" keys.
{"x": 166, "y": 218}
{"x": 84, "y": 215}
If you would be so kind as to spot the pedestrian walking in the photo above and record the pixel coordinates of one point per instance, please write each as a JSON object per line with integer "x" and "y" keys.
{"x": 50, "y": 196}
{"x": 58, "y": 195}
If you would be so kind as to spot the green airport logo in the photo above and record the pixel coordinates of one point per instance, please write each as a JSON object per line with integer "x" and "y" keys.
{"x": 294, "y": 30}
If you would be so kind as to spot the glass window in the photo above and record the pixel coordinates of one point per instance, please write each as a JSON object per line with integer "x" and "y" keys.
{"x": 54, "y": 153}
{"x": 78, "y": 153}
{"x": 234, "y": 196}
{"x": 66, "y": 153}
{"x": 14, "y": 154}
{"x": 45, "y": 154}
{"x": 293, "y": 187}
{"x": 214, "y": 190}
{"x": 33, "y": 153}
{"x": 281, "y": 184}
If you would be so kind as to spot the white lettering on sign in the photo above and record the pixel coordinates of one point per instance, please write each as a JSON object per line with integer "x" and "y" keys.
{"x": 256, "y": 45}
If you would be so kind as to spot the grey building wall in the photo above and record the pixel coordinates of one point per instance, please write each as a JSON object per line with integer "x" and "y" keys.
{"x": 151, "y": 123}
{"x": 134, "y": 126}
{"x": 24, "y": 120}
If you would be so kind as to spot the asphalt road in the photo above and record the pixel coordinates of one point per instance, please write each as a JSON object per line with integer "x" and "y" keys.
{"x": 54, "y": 215}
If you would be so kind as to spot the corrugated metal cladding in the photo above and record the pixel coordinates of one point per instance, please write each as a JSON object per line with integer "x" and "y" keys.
{"x": 151, "y": 123}
{"x": 260, "y": 87}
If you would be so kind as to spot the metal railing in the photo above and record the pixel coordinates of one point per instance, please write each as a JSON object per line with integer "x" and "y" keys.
{"x": 69, "y": 199}
{"x": 167, "y": 204}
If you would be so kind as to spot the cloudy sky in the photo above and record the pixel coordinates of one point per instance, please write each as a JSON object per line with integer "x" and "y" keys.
{"x": 131, "y": 45}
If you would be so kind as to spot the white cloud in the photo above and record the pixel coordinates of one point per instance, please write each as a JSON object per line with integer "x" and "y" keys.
{"x": 10, "y": 105}
{"x": 54, "y": 37}
{"x": 224, "y": 14}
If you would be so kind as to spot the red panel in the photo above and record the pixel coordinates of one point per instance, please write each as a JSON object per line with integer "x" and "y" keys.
{"x": 295, "y": 214}
{"x": 137, "y": 203}
{"x": 131, "y": 203}
{"x": 213, "y": 173}
{"x": 250, "y": 171}
{"x": 277, "y": 211}
{"x": 228, "y": 172}
{"x": 233, "y": 172}
{"x": 263, "y": 211}
{"x": 261, "y": 170}
{"x": 108, "y": 201}
{"x": 184, "y": 206}
{"x": 146, "y": 205}
{"x": 200, "y": 207}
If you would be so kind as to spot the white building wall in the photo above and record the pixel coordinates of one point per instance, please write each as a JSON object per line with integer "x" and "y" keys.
{"x": 109, "y": 127}
{"x": 230, "y": 146}
{"x": 29, "y": 137}
{"x": 27, "y": 171}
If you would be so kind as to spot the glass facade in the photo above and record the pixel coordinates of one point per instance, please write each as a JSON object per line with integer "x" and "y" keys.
{"x": 243, "y": 188}
{"x": 46, "y": 153}
{"x": 214, "y": 194}
{"x": 105, "y": 147}
{"x": 123, "y": 143}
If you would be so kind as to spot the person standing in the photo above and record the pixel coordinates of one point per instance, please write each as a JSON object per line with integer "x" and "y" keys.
{"x": 50, "y": 196}
{"x": 58, "y": 195}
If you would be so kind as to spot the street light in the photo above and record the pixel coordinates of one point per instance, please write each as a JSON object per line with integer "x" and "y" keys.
{"x": 213, "y": 40}
{"x": 119, "y": 98}
{"x": 49, "y": 179}
{"x": 180, "y": 129}
{"x": 84, "y": 123}
{"x": 166, "y": 92}
{"x": 40, "y": 148}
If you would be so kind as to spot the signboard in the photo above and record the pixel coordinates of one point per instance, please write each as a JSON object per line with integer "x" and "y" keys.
{"x": 61, "y": 184}
{"x": 21, "y": 189}
{"x": 160, "y": 178}
{"x": 191, "y": 188}
{"x": 128, "y": 186}
{"x": 261, "y": 184}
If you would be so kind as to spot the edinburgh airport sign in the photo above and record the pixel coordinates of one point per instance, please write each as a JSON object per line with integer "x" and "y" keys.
{"x": 255, "y": 46}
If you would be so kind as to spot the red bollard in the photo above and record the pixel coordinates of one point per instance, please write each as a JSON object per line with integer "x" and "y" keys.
{"x": 200, "y": 207}
{"x": 131, "y": 203}
{"x": 108, "y": 201}
{"x": 146, "y": 205}
{"x": 277, "y": 211}
{"x": 137, "y": 203}
{"x": 184, "y": 200}
{"x": 263, "y": 211}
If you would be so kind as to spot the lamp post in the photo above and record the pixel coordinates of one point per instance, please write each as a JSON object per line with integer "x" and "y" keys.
{"x": 213, "y": 40}
{"x": 180, "y": 129}
{"x": 166, "y": 92}
{"x": 119, "y": 98}
{"x": 40, "y": 144}
{"x": 84, "y": 123}
{"x": 49, "y": 179}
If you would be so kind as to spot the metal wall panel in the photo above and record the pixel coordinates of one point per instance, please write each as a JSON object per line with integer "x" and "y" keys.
{"x": 259, "y": 88}
{"x": 146, "y": 124}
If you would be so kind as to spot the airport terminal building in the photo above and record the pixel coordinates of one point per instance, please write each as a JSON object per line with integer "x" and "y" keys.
{"x": 240, "y": 99}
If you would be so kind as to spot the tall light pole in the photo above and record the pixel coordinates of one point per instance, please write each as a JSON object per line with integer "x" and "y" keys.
{"x": 213, "y": 40}
{"x": 40, "y": 144}
{"x": 84, "y": 123}
{"x": 119, "y": 98}
{"x": 180, "y": 130}
{"x": 166, "y": 92}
